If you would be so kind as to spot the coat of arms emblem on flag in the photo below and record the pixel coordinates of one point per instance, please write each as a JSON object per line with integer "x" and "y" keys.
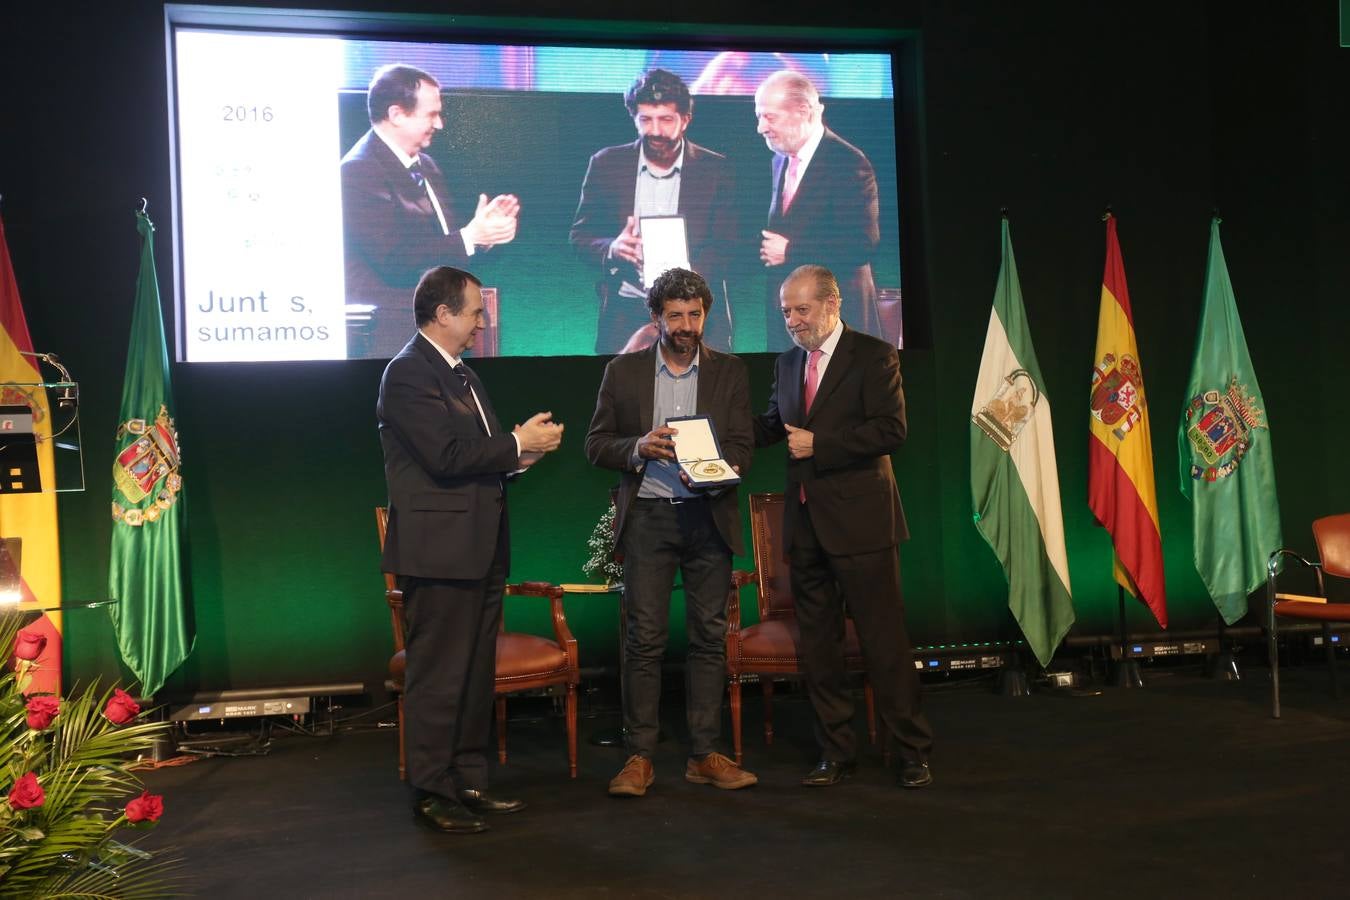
{"x": 1115, "y": 393}
{"x": 1008, "y": 412}
{"x": 147, "y": 467}
{"x": 14, "y": 395}
{"x": 1219, "y": 426}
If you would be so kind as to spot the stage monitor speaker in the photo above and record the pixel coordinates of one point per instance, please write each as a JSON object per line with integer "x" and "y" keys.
{"x": 1153, "y": 649}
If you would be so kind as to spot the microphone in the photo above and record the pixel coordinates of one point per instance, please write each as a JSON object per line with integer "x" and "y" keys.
{"x": 69, "y": 397}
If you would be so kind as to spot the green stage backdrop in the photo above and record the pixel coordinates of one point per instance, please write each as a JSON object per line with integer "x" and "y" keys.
{"x": 1162, "y": 109}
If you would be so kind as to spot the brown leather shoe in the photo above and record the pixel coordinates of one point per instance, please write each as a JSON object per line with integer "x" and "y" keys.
{"x": 637, "y": 775}
{"x": 719, "y": 771}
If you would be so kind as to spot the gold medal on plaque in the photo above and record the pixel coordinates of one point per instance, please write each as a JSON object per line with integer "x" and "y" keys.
{"x": 709, "y": 469}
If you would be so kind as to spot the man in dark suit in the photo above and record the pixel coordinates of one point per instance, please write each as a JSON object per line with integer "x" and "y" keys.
{"x": 662, "y": 524}
{"x": 837, "y": 401}
{"x": 823, "y": 209}
{"x": 661, "y": 173}
{"x": 446, "y": 460}
{"x": 398, "y": 218}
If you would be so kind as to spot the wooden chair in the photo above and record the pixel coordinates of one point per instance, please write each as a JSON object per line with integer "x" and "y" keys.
{"x": 771, "y": 647}
{"x": 1332, "y": 536}
{"x": 524, "y": 661}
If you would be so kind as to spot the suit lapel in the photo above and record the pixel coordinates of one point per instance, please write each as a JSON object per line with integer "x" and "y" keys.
{"x": 696, "y": 200}
{"x": 400, "y": 181}
{"x": 488, "y": 412}
{"x": 418, "y": 193}
{"x": 456, "y": 392}
{"x": 646, "y": 386}
{"x": 624, "y": 187}
{"x": 834, "y": 373}
{"x": 813, "y": 175}
{"x": 790, "y": 386}
{"x": 708, "y": 367}
{"x": 779, "y": 165}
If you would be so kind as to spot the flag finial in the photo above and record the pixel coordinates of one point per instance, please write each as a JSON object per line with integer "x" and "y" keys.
{"x": 1107, "y": 214}
{"x": 144, "y": 204}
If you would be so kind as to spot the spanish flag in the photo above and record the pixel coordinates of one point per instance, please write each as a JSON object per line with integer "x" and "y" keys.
{"x": 1120, "y": 451}
{"x": 31, "y": 516}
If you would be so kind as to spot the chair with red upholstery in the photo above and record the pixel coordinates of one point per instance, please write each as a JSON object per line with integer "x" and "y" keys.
{"x": 772, "y": 646}
{"x": 1332, "y": 536}
{"x": 524, "y": 661}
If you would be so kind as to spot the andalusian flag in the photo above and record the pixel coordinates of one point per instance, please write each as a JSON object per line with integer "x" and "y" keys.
{"x": 1120, "y": 451}
{"x": 31, "y": 516}
{"x": 145, "y": 576}
{"x": 1227, "y": 467}
{"x": 1013, "y": 477}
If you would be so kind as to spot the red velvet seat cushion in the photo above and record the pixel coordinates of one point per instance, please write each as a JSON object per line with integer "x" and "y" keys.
{"x": 1321, "y": 612}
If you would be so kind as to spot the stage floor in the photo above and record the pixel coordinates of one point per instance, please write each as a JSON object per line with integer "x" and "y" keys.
{"x": 1186, "y": 788}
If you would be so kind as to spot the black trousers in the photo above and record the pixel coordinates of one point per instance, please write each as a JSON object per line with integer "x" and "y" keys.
{"x": 869, "y": 583}
{"x": 448, "y": 685}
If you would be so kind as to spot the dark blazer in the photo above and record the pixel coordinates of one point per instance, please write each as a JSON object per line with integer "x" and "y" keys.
{"x": 857, "y": 421}
{"x": 445, "y": 475}
{"x": 623, "y": 414}
{"x": 706, "y": 192}
{"x": 833, "y": 222}
{"x": 391, "y": 235}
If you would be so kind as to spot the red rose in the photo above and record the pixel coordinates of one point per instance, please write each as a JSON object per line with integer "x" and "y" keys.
{"x": 41, "y": 711}
{"x": 147, "y": 807}
{"x": 26, "y": 793}
{"x": 29, "y": 645}
{"x": 121, "y": 709}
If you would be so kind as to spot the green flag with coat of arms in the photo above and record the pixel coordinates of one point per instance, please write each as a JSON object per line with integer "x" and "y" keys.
{"x": 152, "y": 613}
{"x": 1227, "y": 466}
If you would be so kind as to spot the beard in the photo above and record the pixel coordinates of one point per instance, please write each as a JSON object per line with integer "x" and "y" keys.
{"x": 660, "y": 150}
{"x": 681, "y": 341}
{"x": 809, "y": 337}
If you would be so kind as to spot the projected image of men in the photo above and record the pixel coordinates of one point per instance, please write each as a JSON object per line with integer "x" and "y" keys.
{"x": 823, "y": 208}
{"x": 662, "y": 173}
{"x": 398, "y": 216}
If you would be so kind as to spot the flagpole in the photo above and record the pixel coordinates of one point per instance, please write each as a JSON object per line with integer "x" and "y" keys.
{"x": 1225, "y": 664}
{"x": 1012, "y": 679}
{"x": 1127, "y": 669}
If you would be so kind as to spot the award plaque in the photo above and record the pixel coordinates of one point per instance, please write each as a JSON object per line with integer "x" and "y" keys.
{"x": 665, "y": 245}
{"x": 699, "y": 453}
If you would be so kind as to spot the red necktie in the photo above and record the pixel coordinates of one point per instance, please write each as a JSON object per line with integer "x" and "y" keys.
{"x": 790, "y": 181}
{"x": 812, "y": 382}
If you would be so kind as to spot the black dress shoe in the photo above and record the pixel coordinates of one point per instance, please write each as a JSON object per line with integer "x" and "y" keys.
{"x": 483, "y": 802}
{"x": 445, "y": 815}
{"x": 916, "y": 775}
{"x": 828, "y": 772}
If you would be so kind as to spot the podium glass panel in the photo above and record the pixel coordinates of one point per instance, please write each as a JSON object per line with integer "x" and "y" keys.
{"x": 25, "y": 424}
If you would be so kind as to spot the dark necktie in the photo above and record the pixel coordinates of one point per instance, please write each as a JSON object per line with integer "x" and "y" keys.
{"x": 415, "y": 170}
{"x": 467, "y": 379}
